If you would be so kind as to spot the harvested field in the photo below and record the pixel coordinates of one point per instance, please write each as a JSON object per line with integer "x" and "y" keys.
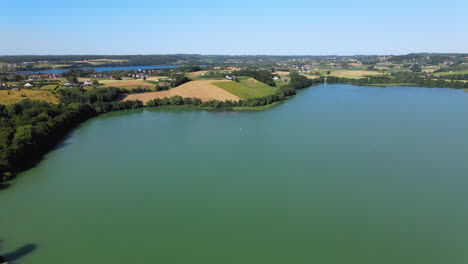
{"x": 49, "y": 87}
{"x": 156, "y": 78}
{"x": 353, "y": 74}
{"x": 17, "y": 96}
{"x": 195, "y": 74}
{"x": 203, "y": 90}
{"x": 127, "y": 84}
{"x": 282, "y": 73}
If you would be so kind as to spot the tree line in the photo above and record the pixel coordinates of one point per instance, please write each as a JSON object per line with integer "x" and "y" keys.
{"x": 29, "y": 129}
{"x": 259, "y": 75}
{"x": 399, "y": 78}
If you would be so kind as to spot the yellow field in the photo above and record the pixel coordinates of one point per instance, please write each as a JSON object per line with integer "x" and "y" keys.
{"x": 429, "y": 70}
{"x": 15, "y": 96}
{"x": 353, "y": 74}
{"x": 204, "y": 90}
{"x": 127, "y": 84}
{"x": 156, "y": 78}
{"x": 49, "y": 87}
{"x": 195, "y": 74}
{"x": 282, "y": 73}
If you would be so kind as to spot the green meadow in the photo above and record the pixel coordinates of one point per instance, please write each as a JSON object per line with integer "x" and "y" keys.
{"x": 246, "y": 88}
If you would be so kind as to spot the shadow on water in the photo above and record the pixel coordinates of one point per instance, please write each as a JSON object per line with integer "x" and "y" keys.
{"x": 4, "y": 186}
{"x": 18, "y": 253}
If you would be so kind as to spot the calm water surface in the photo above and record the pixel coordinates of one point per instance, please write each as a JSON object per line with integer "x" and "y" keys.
{"x": 338, "y": 174}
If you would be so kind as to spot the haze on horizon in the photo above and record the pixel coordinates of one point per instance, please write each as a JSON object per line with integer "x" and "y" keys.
{"x": 297, "y": 27}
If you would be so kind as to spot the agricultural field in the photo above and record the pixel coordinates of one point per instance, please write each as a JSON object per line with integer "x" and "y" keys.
{"x": 156, "y": 78}
{"x": 49, "y": 87}
{"x": 353, "y": 74}
{"x": 128, "y": 84}
{"x": 45, "y": 65}
{"x": 204, "y": 90}
{"x": 98, "y": 62}
{"x": 196, "y": 74}
{"x": 282, "y": 73}
{"x": 450, "y": 73}
{"x": 10, "y": 97}
{"x": 246, "y": 88}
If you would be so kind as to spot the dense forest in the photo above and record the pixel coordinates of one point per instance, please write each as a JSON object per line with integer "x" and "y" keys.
{"x": 298, "y": 81}
{"x": 261, "y": 76}
{"x": 28, "y": 129}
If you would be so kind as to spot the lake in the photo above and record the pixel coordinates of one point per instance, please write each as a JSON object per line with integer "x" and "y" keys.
{"x": 103, "y": 69}
{"x": 337, "y": 174}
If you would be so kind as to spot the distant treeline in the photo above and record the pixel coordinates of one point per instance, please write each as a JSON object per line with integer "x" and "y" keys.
{"x": 401, "y": 78}
{"x": 454, "y": 77}
{"x": 299, "y": 81}
{"x": 453, "y": 68}
{"x": 130, "y": 59}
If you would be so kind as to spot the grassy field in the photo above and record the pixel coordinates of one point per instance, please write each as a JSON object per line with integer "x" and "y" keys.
{"x": 17, "y": 96}
{"x": 450, "y": 73}
{"x": 246, "y": 88}
{"x": 49, "y": 87}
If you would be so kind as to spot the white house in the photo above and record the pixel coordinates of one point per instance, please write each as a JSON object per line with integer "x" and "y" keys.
{"x": 275, "y": 78}
{"x": 28, "y": 85}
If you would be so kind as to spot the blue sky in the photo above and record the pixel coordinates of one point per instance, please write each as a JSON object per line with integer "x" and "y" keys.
{"x": 287, "y": 27}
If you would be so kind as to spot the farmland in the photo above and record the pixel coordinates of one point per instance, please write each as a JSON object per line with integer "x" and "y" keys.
{"x": 246, "y": 88}
{"x": 127, "y": 84}
{"x": 204, "y": 90}
{"x": 8, "y": 97}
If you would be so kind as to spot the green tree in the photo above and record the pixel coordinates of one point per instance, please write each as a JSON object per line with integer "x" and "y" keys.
{"x": 72, "y": 79}
{"x": 416, "y": 68}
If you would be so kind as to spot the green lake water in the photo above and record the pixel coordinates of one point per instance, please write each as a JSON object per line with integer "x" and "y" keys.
{"x": 337, "y": 174}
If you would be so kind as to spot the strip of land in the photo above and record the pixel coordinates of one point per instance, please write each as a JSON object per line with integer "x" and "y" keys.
{"x": 205, "y": 90}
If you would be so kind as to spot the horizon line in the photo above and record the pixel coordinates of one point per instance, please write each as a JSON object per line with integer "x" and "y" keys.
{"x": 240, "y": 55}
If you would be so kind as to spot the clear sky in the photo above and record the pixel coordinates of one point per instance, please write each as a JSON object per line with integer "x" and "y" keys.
{"x": 239, "y": 27}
